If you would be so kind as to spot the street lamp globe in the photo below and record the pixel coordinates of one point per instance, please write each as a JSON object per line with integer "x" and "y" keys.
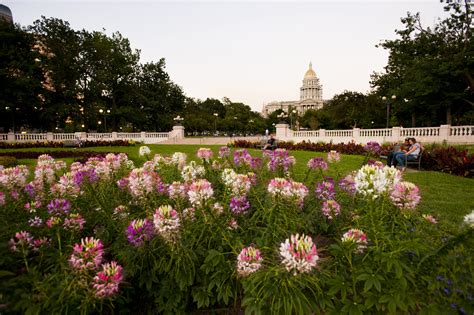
{"x": 101, "y": 110}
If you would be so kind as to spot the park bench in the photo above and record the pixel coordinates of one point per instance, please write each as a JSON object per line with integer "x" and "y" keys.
{"x": 263, "y": 142}
{"x": 71, "y": 143}
{"x": 417, "y": 161}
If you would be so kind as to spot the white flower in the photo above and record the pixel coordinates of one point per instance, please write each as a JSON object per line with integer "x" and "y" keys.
{"x": 144, "y": 150}
{"x": 469, "y": 219}
{"x": 373, "y": 181}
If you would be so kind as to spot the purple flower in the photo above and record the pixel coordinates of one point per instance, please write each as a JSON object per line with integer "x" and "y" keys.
{"x": 316, "y": 163}
{"x": 59, "y": 206}
{"x": 373, "y": 147}
{"x": 325, "y": 190}
{"x": 239, "y": 205}
{"x": 224, "y": 152}
{"x": 138, "y": 231}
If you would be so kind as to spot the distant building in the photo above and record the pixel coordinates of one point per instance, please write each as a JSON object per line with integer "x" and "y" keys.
{"x": 311, "y": 96}
{"x": 6, "y": 14}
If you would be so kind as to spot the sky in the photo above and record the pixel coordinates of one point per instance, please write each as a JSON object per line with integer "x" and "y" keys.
{"x": 253, "y": 52}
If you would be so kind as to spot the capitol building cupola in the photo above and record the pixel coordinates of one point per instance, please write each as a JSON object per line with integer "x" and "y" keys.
{"x": 311, "y": 88}
{"x": 311, "y": 97}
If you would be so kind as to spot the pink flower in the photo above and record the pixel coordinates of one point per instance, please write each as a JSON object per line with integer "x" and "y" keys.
{"x": 248, "y": 261}
{"x": 224, "y": 152}
{"x": 325, "y": 190}
{"x": 204, "y": 154}
{"x": 331, "y": 209}
{"x": 106, "y": 282}
{"x": 139, "y": 231}
{"x": 356, "y": 236}
{"x": 74, "y": 222}
{"x": 21, "y": 242}
{"x": 430, "y": 218}
{"x": 316, "y": 163}
{"x": 333, "y": 157}
{"x": 405, "y": 195}
{"x": 87, "y": 254}
{"x": 199, "y": 192}
{"x": 167, "y": 223}
{"x": 299, "y": 254}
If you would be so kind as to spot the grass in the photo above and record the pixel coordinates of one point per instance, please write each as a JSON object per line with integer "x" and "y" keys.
{"x": 445, "y": 196}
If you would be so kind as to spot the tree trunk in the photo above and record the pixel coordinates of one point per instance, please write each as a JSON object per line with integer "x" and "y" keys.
{"x": 413, "y": 120}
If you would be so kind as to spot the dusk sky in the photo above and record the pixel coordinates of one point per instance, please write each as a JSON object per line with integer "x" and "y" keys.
{"x": 253, "y": 52}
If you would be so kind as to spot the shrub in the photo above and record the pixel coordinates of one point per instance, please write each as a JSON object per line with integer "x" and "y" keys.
{"x": 59, "y": 144}
{"x": 229, "y": 232}
{"x": 7, "y": 161}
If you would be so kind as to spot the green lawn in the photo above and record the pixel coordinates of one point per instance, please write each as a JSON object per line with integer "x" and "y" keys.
{"x": 446, "y": 196}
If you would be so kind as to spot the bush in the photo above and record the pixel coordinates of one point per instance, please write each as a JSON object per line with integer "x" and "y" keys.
{"x": 229, "y": 233}
{"x": 59, "y": 144}
{"x": 443, "y": 159}
{"x": 7, "y": 161}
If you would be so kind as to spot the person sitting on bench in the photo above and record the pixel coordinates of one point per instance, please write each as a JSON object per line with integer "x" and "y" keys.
{"x": 270, "y": 143}
{"x": 396, "y": 149}
{"x": 410, "y": 155}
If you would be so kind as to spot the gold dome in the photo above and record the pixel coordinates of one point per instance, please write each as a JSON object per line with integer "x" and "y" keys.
{"x": 310, "y": 73}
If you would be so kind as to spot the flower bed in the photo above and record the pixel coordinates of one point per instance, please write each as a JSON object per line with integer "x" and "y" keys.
{"x": 227, "y": 232}
{"x": 447, "y": 160}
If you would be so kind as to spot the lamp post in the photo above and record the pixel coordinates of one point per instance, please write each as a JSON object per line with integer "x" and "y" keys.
{"x": 293, "y": 112}
{"x": 101, "y": 111}
{"x": 394, "y": 97}
{"x": 282, "y": 117}
{"x": 251, "y": 126}
{"x": 178, "y": 119}
{"x": 215, "y": 122}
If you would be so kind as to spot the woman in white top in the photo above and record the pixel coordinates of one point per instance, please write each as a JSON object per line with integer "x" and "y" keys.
{"x": 410, "y": 155}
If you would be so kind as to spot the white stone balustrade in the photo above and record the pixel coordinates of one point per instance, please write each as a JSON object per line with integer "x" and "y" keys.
{"x": 443, "y": 133}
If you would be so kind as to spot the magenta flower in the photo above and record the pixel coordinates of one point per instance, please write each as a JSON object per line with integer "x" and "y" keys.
{"x": 299, "y": 254}
{"x": 74, "y": 222}
{"x": 280, "y": 159}
{"x": 87, "y": 254}
{"x": 373, "y": 147}
{"x": 317, "y": 163}
{"x": 21, "y": 242}
{"x": 242, "y": 157}
{"x": 106, "y": 282}
{"x": 249, "y": 260}
{"x": 139, "y": 231}
{"x": 325, "y": 190}
{"x": 239, "y": 205}
{"x": 224, "y": 152}
{"x": 348, "y": 184}
{"x": 331, "y": 209}
{"x": 59, "y": 206}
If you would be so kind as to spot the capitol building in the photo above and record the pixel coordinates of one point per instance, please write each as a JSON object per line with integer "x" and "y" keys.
{"x": 311, "y": 97}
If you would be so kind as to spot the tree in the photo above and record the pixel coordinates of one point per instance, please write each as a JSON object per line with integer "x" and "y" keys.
{"x": 20, "y": 79}
{"x": 431, "y": 69}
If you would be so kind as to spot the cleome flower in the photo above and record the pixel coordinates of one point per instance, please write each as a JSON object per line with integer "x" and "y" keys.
{"x": 288, "y": 189}
{"x": 204, "y": 154}
{"x": 238, "y": 184}
{"x": 144, "y": 150}
{"x": 139, "y": 231}
{"x": 469, "y": 219}
{"x": 431, "y": 219}
{"x": 373, "y": 147}
{"x": 239, "y": 205}
{"x": 405, "y": 195}
{"x": 325, "y": 190}
{"x": 356, "y": 236}
{"x": 87, "y": 254}
{"x": 106, "y": 282}
{"x": 248, "y": 261}
{"x": 192, "y": 171}
{"x": 199, "y": 192}
{"x": 166, "y": 222}
{"x": 299, "y": 254}
{"x": 317, "y": 163}
{"x": 224, "y": 152}
{"x": 21, "y": 241}
{"x": 331, "y": 209}
{"x": 372, "y": 181}
{"x": 333, "y": 156}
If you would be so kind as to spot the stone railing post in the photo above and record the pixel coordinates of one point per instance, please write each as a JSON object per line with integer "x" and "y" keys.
{"x": 322, "y": 133}
{"x": 356, "y": 135}
{"x": 142, "y": 136}
{"x": 49, "y": 136}
{"x": 282, "y": 131}
{"x": 114, "y": 136}
{"x": 396, "y": 134}
{"x": 11, "y": 137}
{"x": 177, "y": 132}
{"x": 444, "y": 132}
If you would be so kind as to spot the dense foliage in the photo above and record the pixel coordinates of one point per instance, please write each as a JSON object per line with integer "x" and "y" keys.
{"x": 60, "y": 144}
{"x": 227, "y": 232}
